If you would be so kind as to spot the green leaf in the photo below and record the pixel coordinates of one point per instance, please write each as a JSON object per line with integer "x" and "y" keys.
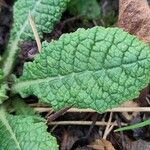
{"x": 1, "y": 76}
{"x": 24, "y": 133}
{"x": 45, "y": 14}
{"x": 134, "y": 126}
{"x": 89, "y": 8}
{"x": 21, "y": 108}
{"x": 97, "y": 68}
{"x": 3, "y": 88}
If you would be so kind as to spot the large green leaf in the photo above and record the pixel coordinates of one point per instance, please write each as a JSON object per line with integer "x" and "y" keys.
{"x": 45, "y": 14}
{"x": 24, "y": 133}
{"x": 96, "y": 68}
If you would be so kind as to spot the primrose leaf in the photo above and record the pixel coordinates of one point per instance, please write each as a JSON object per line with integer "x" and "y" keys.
{"x": 97, "y": 68}
{"x": 89, "y": 8}
{"x": 3, "y": 88}
{"x": 45, "y": 14}
{"x": 1, "y": 76}
{"x": 21, "y": 108}
{"x": 24, "y": 133}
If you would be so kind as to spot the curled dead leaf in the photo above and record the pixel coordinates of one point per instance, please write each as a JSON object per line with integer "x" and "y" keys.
{"x": 134, "y": 17}
{"x": 136, "y": 145}
{"x": 101, "y": 144}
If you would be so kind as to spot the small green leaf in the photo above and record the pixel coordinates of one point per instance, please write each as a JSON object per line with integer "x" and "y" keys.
{"x": 21, "y": 108}
{"x": 24, "y": 133}
{"x": 89, "y": 8}
{"x": 97, "y": 68}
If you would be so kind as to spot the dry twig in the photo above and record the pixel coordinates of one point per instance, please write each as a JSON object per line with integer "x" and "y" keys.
{"x": 36, "y": 35}
{"x": 83, "y": 123}
{"x": 119, "y": 109}
{"x": 109, "y": 126}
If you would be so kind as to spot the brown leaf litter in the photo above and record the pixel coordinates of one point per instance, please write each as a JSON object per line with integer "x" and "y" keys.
{"x": 134, "y": 17}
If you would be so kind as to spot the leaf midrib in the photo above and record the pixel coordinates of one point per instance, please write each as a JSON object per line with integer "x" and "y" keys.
{"x": 21, "y": 84}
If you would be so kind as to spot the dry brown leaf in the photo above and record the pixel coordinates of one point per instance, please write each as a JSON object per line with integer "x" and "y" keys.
{"x": 134, "y": 17}
{"x": 3, "y": 3}
{"x": 101, "y": 144}
{"x": 128, "y": 115}
{"x": 137, "y": 145}
{"x": 130, "y": 104}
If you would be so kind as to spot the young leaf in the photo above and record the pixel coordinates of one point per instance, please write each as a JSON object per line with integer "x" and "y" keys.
{"x": 21, "y": 108}
{"x": 24, "y": 133}
{"x": 97, "y": 68}
{"x": 89, "y": 8}
{"x": 45, "y": 14}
